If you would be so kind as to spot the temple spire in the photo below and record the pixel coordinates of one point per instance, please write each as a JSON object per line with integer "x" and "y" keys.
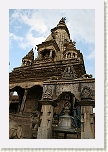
{"x": 62, "y": 22}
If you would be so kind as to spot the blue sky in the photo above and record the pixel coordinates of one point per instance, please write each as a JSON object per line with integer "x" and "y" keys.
{"x": 27, "y": 28}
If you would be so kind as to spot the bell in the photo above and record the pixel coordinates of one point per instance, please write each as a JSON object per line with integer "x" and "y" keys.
{"x": 66, "y": 124}
{"x": 65, "y": 121}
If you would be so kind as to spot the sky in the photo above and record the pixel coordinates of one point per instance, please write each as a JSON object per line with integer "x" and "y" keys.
{"x": 29, "y": 27}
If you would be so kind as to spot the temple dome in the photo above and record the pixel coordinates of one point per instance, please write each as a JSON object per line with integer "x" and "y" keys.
{"x": 49, "y": 38}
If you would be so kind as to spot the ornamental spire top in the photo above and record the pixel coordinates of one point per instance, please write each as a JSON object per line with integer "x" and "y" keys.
{"x": 62, "y": 21}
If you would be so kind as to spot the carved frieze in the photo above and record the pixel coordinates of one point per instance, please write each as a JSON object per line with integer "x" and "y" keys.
{"x": 67, "y": 87}
{"x": 69, "y": 73}
{"x": 86, "y": 93}
{"x": 48, "y": 91}
{"x": 90, "y": 85}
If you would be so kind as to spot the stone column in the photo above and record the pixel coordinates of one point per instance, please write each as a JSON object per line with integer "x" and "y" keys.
{"x": 45, "y": 129}
{"x": 87, "y": 123}
{"x": 23, "y": 101}
{"x": 50, "y": 53}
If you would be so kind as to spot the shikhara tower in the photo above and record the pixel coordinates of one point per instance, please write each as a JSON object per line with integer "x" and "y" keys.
{"x": 53, "y": 86}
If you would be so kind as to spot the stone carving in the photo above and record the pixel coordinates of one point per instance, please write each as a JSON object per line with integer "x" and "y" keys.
{"x": 69, "y": 73}
{"x": 15, "y": 131}
{"x": 48, "y": 93}
{"x": 54, "y": 34}
{"x": 86, "y": 93}
{"x": 54, "y": 78}
{"x": 85, "y": 76}
{"x": 67, "y": 107}
{"x": 35, "y": 120}
{"x": 90, "y": 85}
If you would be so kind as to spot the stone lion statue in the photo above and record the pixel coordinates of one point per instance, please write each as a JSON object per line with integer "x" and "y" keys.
{"x": 15, "y": 130}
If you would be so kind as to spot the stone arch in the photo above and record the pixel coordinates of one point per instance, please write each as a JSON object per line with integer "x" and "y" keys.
{"x": 74, "y": 54}
{"x": 15, "y": 100}
{"x": 69, "y": 55}
{"x": 75, "y": 109}
{"x": 62, "y": 98}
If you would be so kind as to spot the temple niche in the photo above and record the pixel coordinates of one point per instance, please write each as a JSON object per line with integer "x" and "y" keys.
{"x": 55, "y": 96}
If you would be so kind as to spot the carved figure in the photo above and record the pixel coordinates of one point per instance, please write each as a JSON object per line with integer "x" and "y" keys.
{"x": 35, "y": 120}
{"x": 15, "y": 130}
{"x": 67, "y": 107}
{"x": 69, "y": 73}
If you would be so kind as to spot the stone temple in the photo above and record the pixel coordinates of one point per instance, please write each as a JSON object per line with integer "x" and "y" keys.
{"x": 55, "y": 96}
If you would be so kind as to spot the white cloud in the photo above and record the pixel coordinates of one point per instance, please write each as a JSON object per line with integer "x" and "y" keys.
{"x": 91, "y": 56}
{"x": 27, "y": 42}
{"x": 31, "y": 41}
{"x": 15, "y": 37}
{"x": 81, "y": 23}
{"x": 31, "y": 19}
{"x": 17, "y": 28}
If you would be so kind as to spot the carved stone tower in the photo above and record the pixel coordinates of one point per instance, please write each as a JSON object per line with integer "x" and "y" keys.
{"x": 44, "y": 85}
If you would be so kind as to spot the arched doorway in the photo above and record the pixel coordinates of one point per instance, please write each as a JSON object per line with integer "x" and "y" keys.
{"x": 32, "y": 100}
{"x": 16, "y": 96}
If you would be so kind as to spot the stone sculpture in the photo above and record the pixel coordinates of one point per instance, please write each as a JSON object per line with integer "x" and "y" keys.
{"x": 15, "y": 130}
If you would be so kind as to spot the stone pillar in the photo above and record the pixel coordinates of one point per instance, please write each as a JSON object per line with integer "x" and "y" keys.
{"x": 23, "y": 101}
{"x": 45, "y": 129}
{"x": 50, "y": 53}
{"x": 87, "y": 123}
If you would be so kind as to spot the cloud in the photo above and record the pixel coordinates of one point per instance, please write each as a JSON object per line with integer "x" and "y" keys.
{"x": 91, "y": 56}
{"x": 30, "y": 18}
{"x": 31, "y": 41}
{"x": 17, "y": 28}
{"x": 27, "y": 42}
{"x": 81, "y": 23}
{"x": 15, "y": 37}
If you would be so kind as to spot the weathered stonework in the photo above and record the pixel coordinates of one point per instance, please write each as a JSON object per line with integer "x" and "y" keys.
{"x": 46, "y": 83}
